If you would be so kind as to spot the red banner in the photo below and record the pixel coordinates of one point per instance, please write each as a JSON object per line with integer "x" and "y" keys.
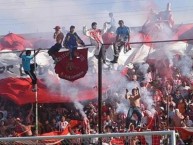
{"x": 72, "y": 69}
{"x": 19, "y": 91}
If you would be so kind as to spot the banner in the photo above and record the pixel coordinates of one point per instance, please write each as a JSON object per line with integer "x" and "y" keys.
{"x": 72, "y": 69}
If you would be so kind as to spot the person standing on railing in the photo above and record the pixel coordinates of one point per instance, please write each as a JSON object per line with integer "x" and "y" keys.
{"x": 112, "y": 24}
{"x": 29, "y": 68}
{"x": 71, "y": 41}
{"x": 167, "y": 16}
{"x": 95, "y": 35}
{"x": 134, "y": 106}
{"x": 58, "y": 36}
{"x": 122, "y": 40}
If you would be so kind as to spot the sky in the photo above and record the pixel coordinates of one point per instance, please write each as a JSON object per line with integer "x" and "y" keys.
{"x": 32, "y": 16}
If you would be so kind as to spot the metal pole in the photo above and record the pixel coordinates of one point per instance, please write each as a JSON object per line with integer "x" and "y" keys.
{"x": 173, "y": 138}
{"x": 157, "y": 41}
{"x": 139, "y": 42}
{"x": 100, "y": 94}
{"x": 46, "y": 49}
{"x": 168, "y": 112}
{"x": 167, "y": 105}
{"x": 62, "y": 137}
{"x": 36, "y": 99}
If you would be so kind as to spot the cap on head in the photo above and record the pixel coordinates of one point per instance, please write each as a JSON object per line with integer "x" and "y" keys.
{"x": 57, "y": 27}
{"x": 130, "y": 66}
{"x": 162, "y": 108}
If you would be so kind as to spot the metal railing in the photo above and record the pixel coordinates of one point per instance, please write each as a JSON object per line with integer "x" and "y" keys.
{"x": 85, "y": 139}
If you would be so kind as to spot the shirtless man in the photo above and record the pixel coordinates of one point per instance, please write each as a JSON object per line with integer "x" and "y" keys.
{"x": 134, "y": 106}
{"x": 26, "y": 129}
{"x": 59, "y": 37}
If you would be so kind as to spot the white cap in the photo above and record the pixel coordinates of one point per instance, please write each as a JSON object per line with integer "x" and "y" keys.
{"x": 162, "y": 108}
{"x": 129, "y": 65}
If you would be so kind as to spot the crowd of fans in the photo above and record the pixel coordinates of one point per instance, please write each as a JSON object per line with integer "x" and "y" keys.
{"x": 173, "y": 103}
{"x": 171, "y": 94}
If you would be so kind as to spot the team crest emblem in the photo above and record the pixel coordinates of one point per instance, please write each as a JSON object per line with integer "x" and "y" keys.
{"x": 74, "y": 69}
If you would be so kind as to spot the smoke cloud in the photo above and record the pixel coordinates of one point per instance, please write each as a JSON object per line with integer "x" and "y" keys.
{"x": 80, "y": 107}
{"x": 185, "y": 66}
{"x": 147, "y": 99}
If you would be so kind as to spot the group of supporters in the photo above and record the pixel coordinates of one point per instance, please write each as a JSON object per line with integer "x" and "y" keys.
{"x": 172, "y": 98}
{"x": 173, "y": 104}
{"x": 72, "y": 41}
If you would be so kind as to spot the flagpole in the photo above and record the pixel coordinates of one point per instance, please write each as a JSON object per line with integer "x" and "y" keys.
{"x": 36, "y": 98}
{"x": 100, "y": 94}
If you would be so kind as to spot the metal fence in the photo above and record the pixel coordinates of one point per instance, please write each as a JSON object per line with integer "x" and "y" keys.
{"x": 139, "y": 138}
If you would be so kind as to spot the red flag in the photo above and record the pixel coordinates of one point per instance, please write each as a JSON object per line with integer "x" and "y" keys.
{"x": 75, "y": 123}
{"x": 185, "y": 32}
{"x": 14, "y": 42}
{"x": 184, "y": 132}
{"x": 72, "y": 69}
{"x": 109, "y": 38}
{"x": 19, "y": 91}
{"x": 54, "y": 133}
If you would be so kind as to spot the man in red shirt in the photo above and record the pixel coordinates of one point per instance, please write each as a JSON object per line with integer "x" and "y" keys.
{"x": 96, "y": 40}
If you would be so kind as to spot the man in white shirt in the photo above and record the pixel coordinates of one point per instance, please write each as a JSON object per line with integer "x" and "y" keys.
{"x": 188, "y": 122}
{"x": 61, "y": 125}
{"x": 112, "y": 24}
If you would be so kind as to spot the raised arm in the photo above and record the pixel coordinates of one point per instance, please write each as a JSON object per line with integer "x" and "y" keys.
{"x": 28, "y": 118}
{"x": 104, "y": 30}
{"x": 137, "y": 97}
{"x": 36, "y": 52}
{"x": 138, "y": 94}
{"x": 79, "y": 40}
{"x": 108, "y": 23}
{"x": 21, "y": 54}
{"x": 127, "y": 96}
{"x": 86, "y": 31}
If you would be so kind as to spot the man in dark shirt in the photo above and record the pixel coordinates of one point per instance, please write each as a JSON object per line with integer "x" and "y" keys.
{"x": 71, "y": 41}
